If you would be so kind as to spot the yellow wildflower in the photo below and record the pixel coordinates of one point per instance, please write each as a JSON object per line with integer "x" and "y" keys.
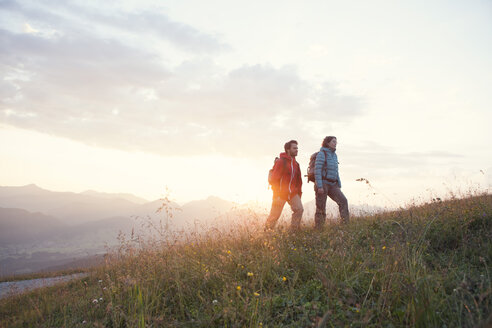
{"x": 384, "y": 247}
{"x": 284, "y": 278}
{"x": 228, "y": 252}
{"x": 256, "y": 294}
{"x": 238, "y": 287}
{"x": 250, "y": 274}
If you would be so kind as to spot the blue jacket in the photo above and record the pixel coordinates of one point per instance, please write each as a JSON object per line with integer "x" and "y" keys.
{"x": 326, "y": 167}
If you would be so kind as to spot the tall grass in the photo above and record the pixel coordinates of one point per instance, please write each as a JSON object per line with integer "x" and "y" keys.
{"x": 423, "y": 266}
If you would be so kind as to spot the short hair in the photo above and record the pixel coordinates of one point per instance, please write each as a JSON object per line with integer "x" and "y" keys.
{"x": 327, "y": 140}
{"x": 288, "y": 144}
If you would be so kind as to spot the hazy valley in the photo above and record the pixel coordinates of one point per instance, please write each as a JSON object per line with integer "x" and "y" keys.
{"x": 42, "y": 229}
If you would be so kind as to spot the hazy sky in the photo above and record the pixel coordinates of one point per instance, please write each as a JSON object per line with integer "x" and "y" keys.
{"x": 201, "y": 96}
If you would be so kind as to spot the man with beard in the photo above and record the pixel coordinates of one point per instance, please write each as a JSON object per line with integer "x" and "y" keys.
{"x": 285, "y": 179}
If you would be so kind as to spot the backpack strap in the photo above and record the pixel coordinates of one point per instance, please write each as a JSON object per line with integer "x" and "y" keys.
{"x": 285, "y": 164}
{"x": 326, "y": 158}
{"x": 284, "y": 167}
{"x": 325, "y": 164}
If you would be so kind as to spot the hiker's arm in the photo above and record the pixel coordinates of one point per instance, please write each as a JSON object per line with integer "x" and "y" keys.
{"x": 338, "y": 174}
{"x": 318, "y": 169}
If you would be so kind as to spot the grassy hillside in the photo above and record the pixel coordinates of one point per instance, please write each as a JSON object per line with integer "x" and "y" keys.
{"x": 424, "y": 266}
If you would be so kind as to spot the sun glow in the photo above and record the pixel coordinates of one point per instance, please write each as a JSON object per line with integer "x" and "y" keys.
{"x": 65, "y": 165}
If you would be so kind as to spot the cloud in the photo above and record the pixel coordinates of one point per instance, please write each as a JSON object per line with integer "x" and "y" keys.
{"x": 317, "y": 51}
{"x": 387, "y": 160}
{"x": 381, "y": 161}
{"x": 28, "y": 29}
{"x": 104, "y": 91}
{"x": 70, "y": 16}
{"x": 181, "y": 35}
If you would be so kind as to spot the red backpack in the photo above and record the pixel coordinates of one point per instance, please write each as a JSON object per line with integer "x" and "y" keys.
{"x": 270, "y": 173}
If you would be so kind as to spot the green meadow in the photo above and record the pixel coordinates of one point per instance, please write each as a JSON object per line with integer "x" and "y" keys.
{"x": 421, "y": 266}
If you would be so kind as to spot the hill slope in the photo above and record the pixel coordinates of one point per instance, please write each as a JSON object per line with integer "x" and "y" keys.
{"x": 69, "y": 207}
{"x": 21, "y": 226}
{"x": 426, "y": 266}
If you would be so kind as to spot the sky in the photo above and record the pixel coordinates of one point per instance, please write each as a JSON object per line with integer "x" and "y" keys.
{"x": 198, "y": 98}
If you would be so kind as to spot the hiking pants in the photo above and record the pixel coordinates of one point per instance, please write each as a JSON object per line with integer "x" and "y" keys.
{"x": 277, "y": 207}
{"x": 335, "y": 194}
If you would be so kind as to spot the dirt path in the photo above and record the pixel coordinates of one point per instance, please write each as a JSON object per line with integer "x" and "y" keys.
{"x": 16, "y": 287}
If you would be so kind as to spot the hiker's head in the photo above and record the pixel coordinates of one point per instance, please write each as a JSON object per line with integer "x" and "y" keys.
{"x": 291, "y": 148}
{"x": 330, "y": 142}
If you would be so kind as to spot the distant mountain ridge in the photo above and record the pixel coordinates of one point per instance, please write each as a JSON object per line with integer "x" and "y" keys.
{"x": 70, "y": 207}
{"x": 129, "y": 197}
{"x": 40, "y": 228}
{"x": 63, "y": 226}
{"x": 20, "y": 226}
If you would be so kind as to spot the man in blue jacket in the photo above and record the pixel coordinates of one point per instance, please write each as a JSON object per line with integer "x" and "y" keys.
{"x": 327, "y": 182}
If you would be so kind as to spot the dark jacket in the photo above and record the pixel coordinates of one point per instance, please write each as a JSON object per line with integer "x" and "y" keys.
{"x": 286, "y": 177}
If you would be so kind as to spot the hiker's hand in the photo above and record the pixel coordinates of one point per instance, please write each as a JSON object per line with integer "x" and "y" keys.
{"x": 321, "y": 190}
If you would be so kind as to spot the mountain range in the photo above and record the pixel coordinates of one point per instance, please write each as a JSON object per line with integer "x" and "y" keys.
{"x": 40, "y": 228}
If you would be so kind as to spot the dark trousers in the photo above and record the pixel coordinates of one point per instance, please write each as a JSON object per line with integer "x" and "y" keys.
{"x": 335, "y": 194}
